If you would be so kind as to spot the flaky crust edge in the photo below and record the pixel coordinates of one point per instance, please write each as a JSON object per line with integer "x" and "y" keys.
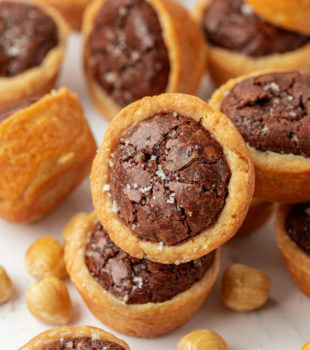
{"x": 240, "y": 187}
{"x": 46, "y": 150}
{"x": 288, "y": 14}
{"x": 185, "y": 44}
{"x": 143, "y": 320}
{"x": 71, "y": 10}
{"x": 296, "y": 260}
{"x": 53, "y": 335}
{"x": 41, "y": 79}
{"x": 225, "y": 64}
{"x": 278, "y": 177}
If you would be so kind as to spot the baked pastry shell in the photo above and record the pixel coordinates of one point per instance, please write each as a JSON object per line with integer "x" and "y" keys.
{"x": 288, "y": 14}
{"x": 41, "y": 79}
{"x": 55, "y": 334}
{"x": 279, "y": 177}
{"x": 143, "y": 320}
{"x": 224, "y": 64}
{"x": 296, "y": 260}
{"x": 259, "y": 213}
{"x": 46, "y": 150}
{"x": 71, "y": 10}
{"x": 185, "y": 44}
{"x": 240, "y": 188}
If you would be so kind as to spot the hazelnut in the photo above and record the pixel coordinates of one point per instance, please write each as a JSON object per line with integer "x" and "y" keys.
{"x": 6, "y": 288}
{"x": 48, "y": 300}
{"x": 306, "y": 346}
{"x": 244, "y": 288}
{"x": 202, "y": 340}
{"x": 45, "y": 257}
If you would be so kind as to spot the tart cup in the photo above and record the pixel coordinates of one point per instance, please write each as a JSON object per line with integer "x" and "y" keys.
{"x": 292, "y": 15}
{"x": 41, "y": 79}
{"x": 185, "y": 44}
{"x": 71, "y": 10}
{"x": 143, "y": 320}
{"x": 296, "y": 260}
{"x": 278, "y": 177}
{"x": 259, "y": 213}
{"x": 47, "y": 150}
{"x": 240, "y": 187}
{"x": 240, "y": 64}
{"x": 57, "y": 334}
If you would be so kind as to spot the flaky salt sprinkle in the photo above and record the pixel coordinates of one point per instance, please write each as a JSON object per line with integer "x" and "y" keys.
{"x": 126, "y": 298}
{"x": 69, "y": 345}
{"x": 106, "y": 188}
{"x": 160, "y": 246}
{"x": 115, "y": 207}
{"x": 246, "y": 9}
{"x": 273, "y": 86}
{"x": 95, "y": 336}
{"x": 139, "y": 281}
{"x": 110, "y": 77}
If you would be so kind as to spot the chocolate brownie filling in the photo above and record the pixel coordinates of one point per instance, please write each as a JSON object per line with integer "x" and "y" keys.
{"x": 297, "y": 225}
{"x": 127, "y": 53}
{"x": 169, "y": 179}
{"x": 83, "y": 343}
{"x": 139, "y": 281}
{"x": 27, "y": 34}
{"x": 272, "y": 112}
{"x": 232, "y": 25}
{"x": 7, "y": 112}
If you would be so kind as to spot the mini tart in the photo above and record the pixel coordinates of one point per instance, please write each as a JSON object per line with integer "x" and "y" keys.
{"x": 293, "y": 15}
{"x": 41, "y": 79}
{"x": 239, "y": 187}
{"x": 47, "y": 150}
{"x": 55, "y": 335}
{"x": 183, "y": 40}
{"x": 143, "y": 320}
{"x": 259, "y": 213}
{"x": 71, "y": 10}
{"x": 278, "y": 177}
{"x": 240, "y": 64}
{"x": 296, "y": 260}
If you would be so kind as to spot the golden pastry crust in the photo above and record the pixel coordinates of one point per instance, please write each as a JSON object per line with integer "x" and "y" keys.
{"x": 185, "y": 43}
{"x": 296, "y": 260}
{"x": 71, "y": 10}
{"x": 46, "y": 151}
{"x": 279, "y": 177}
{"x": 41, "y": 79}
{"x": 259, "y": 213}
{"x": 54, "y": 335}
{"x": 240, "y": 187}
{"x": 143, "y": 320}
{"x": 288, "y": 14}
{"x": 224, "y": 64}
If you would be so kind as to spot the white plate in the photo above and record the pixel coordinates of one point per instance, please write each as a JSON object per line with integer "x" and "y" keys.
{"x": 283, "y": 324}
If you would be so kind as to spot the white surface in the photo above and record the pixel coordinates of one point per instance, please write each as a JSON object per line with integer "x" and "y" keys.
{"x": 282, "y": 324}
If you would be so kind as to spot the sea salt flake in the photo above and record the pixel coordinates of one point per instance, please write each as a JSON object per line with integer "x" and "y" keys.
{"x": 246, "y": 9}
{"x": 138, "y": 281}
{"x": 106, "y": 188}
{"x": 95, "y": 336}
{"x": 69, "y": 345}
{"x": 272, "y": 86}
{"x": 115, "y": 207}
{"x": 160, "y": 246}
{"x": 153, "y": 157}
{"x": 110, "y": 77}
{"x": 175, "y": 114}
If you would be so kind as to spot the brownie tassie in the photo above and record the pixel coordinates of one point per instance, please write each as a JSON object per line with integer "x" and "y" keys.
{"x": 293, "y": 238}
{"x": 272, "y": 112}
{"x": 75, "y": 338}
{"x": 71, "y": 10}
{"x": 134, "y": 296}
{"x": 236, "y": 34}
{"x": 172, "y": 180}
{"x": 32, "y": 45}
{"x": 259, "y": 213}
{"x": 46, "y": 150}
{"x": 292, "y": 15}
{"x": 138, "y": 48}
